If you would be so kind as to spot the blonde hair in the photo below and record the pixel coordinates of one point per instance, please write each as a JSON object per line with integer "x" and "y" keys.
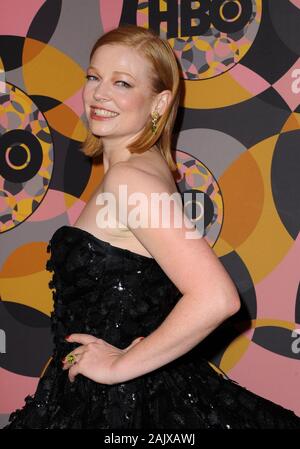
{"x": 164, "y": 76}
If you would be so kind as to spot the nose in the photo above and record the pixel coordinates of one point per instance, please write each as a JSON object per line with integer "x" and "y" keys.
{"x": 101, "y": 92}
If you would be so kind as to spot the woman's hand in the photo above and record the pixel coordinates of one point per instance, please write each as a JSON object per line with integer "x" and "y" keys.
{"x": 95, "y": 358}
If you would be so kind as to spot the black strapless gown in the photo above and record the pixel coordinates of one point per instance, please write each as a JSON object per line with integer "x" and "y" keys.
{"x": 117, "y": 295}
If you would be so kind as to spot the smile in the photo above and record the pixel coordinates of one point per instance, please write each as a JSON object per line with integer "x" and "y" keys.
{"x": 103, "y": 113}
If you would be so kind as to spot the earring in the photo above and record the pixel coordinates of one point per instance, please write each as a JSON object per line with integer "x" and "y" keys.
{"x": 154, "y": 120}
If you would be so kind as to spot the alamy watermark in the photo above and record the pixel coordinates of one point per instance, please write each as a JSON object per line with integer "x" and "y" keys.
{"x": 2, "y": 342}
{"x": 162, "y": 210}
{"x": 295, "y": 87}
{"x": 296, "y": 343}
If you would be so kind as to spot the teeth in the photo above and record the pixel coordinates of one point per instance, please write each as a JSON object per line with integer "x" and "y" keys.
{"x": 104, "y": 113}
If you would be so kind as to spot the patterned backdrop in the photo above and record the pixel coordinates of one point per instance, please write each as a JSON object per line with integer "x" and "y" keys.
{"x": 237, "y": 141}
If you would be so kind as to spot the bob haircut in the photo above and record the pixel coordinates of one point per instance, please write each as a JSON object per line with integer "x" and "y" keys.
{"x": 165, "y": 75}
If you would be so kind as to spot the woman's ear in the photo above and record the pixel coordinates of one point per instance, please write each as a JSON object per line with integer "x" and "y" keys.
{"x": 162, "y": 101}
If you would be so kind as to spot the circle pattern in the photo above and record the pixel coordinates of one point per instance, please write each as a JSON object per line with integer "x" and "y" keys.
{"x": 197, "y": 184}
{"x": 26, "y": 157}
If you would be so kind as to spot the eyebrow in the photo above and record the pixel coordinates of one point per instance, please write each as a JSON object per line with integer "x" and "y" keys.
{"x": 115, "y": 71}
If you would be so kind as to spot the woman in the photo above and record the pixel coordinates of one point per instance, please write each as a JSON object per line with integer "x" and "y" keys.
{"x": 131, "y": 302}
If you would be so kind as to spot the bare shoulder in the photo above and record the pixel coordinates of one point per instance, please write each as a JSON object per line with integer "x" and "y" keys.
{"x": 136, "y": 177}
{"x": 151, "y": 165}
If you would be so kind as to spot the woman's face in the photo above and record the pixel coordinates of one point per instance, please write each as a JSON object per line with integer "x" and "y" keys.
{"x": 117, "y": 96}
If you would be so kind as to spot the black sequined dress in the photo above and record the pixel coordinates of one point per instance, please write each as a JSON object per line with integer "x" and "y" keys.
{"x": 117, "y": 295}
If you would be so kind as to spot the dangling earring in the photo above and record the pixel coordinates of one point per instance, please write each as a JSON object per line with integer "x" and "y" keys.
{"x": 154, "y": 120}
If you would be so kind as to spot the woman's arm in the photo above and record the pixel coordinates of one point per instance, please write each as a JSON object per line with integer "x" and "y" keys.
{"x": 209, "y": 295}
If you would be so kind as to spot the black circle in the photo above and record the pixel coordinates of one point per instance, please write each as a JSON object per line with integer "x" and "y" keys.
{"x": 230, "y": 10}
{"x": 236, "y": 25}
{"x": 14, "y": 139}
{"x": 192, "y": 210}
{"x": 18, "y": 155}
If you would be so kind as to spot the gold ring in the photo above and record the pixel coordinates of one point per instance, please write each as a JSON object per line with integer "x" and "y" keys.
{"x": 71, "y": 358}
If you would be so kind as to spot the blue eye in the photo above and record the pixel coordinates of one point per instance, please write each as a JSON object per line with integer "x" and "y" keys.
{"x": 91, "y": 77}
{"x": 124, "y": 84}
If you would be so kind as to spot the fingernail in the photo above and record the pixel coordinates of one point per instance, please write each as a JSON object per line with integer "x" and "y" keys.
{"x": 141, "y": 338}
{"x": 63, "y": 360}
{"x": 67, "y": 337}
